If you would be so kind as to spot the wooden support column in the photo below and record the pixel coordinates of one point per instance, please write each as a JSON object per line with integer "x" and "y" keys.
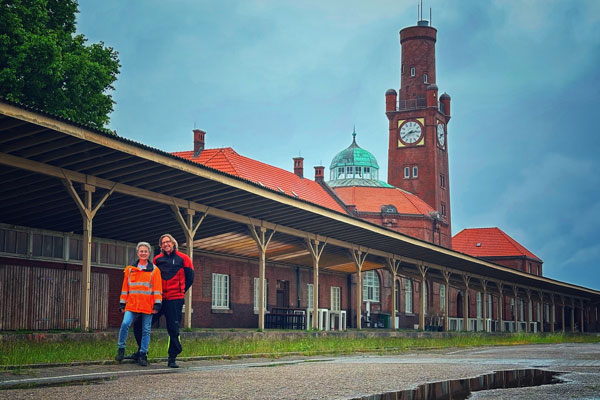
{"x": 423, "y": 272}
{"x": 562, "y": 301}
{"x": 393, "y": 264}
{"x": 552, "y": 314}
{"x": 582, "y": 315}
{"x": 359, "y": 258}
{"x": 572, "y": 315}
{"x": 516, "y": 309}
{"x": 500, "y": 286}
{"x": 259, "y": 234}
{"x": 466, "y": 280}
{"x": 87, "y": 214}
{"x": 315, "y": 247}
{"x": 485, "y": 301}
{"x": 529, "y": 307}
{"x": 189, "y": 227}
{"x": 447, "y": 275}
{"x": 542, "y": 310}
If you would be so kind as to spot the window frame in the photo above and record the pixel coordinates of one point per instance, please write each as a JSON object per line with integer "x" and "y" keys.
{"x": 371, "y": 287}
{"x": 408, "y": 306}
{"x": 220, "y": 291}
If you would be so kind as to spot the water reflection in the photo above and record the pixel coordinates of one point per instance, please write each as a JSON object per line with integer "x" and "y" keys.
{"x": 461, "y": 388}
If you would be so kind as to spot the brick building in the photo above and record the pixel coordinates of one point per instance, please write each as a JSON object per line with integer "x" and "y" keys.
{"x": 371, "y": 253}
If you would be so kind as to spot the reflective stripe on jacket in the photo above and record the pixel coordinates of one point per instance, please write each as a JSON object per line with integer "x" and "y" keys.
{"x": 142, "y": 289}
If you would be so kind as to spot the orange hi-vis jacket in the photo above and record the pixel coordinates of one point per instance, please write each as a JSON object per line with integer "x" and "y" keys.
{"x": 142, "y": 289}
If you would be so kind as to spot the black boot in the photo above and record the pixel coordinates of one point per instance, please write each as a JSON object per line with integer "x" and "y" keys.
{"x": 134, "y": 356}
{"x": 172, "y": 363}
{"x": 120, "y": 354}
{"x": 143, "y": 360}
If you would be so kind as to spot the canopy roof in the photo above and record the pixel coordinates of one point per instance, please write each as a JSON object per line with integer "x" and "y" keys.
{"x": 42, "y": 155}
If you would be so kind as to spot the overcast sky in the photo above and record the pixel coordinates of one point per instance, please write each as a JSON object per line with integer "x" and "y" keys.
{"x": 278, "y": 79}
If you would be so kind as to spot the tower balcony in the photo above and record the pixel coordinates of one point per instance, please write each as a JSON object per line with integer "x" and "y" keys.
{"x": 417, "y": 104}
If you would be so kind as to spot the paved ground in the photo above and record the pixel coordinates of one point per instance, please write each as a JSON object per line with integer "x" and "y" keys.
{"x": 316, "y": 378}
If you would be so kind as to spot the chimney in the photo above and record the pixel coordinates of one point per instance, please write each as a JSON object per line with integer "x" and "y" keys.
{"x": 319, "y": 174}
{"x": 299, "y": 166}
{"x": 198, "y": 142}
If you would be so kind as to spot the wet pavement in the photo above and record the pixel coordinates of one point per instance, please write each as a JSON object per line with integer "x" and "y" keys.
{"x": 323, "y": 377}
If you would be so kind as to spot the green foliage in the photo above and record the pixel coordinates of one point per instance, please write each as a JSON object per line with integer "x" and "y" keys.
{"x": 46, "y": 65}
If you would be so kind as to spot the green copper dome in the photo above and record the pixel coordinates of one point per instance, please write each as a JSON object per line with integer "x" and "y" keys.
{"x": 354, "y": 166}
{"x": 354, "y": 155}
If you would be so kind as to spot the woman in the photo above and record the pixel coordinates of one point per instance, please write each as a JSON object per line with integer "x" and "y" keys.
{"x": 141, "y": 296}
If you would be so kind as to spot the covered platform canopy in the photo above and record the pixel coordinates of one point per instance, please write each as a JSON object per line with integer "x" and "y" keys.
{"x": 62, "y": 176}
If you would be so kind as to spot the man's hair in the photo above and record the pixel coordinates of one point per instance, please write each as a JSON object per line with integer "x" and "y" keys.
{"x": 168, "y": 235}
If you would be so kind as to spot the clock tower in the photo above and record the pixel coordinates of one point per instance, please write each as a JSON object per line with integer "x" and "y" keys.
{"x": 418, "y": 129}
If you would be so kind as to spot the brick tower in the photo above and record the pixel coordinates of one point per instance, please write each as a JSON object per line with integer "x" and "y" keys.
{"x": 418, "y": 128}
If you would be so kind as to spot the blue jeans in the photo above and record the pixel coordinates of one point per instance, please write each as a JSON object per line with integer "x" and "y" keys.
{"x": 128, "y": 319}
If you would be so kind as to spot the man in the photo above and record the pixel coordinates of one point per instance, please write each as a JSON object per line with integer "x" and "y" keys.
{"x": 177, "y": 273}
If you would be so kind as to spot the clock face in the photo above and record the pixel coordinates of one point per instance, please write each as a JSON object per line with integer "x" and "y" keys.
{"x": 440, "y": 135}
{"x": 410, "y": 132}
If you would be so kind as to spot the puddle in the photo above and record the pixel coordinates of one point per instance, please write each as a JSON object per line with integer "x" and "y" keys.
{"x": 459, "y": 389}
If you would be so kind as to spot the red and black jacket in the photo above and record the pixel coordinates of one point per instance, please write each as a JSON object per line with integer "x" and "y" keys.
{"x": 177, "y": 273}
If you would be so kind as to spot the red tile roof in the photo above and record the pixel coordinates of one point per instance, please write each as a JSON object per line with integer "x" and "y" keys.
{"x": 229, "y": 161}
{"x": 370, "y": 199}
{"x": 493, "y": 242}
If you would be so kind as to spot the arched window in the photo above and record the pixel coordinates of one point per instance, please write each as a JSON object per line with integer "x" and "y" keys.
{"x": 371, "y": 286}
{"x": 408, "y": 296}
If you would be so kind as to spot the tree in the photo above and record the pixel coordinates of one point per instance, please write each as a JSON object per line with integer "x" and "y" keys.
{"x": 46, "y": 65}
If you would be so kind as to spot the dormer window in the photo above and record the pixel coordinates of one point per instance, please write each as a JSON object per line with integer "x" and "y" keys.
{"x": 389, "y": 209}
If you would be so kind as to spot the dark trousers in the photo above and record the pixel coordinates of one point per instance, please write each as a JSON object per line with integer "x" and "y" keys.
{"x": 171, "y": 309}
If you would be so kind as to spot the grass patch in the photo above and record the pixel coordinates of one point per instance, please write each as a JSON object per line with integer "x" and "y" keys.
{"x": 23, "y": 352}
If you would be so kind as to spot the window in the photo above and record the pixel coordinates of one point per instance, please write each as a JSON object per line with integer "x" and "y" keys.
{"x": 47, "y": 246}
{"x": 335, "y": 298}
{"x": 256, "y": 290}
{"x": 442, "y": 297}
{"x": 443, "y": 209}
{"x": 489, "y": 306}
{"x": 13, "y": 241}
{"x": 521, "y": 314}
{"x": 529, "y": 311}
{"x": 415, "y": 172}
{"x": 425, "y": 78}
{"x": 340, "y": 172}
{"x": 408, "y": 296}
{"x": 547, "y": 312}
{"x": 538, "y": 312}
{"x": 479, "y": 309}
{"x": 402, "y": 69}
{"x": 310, "y": 294}
{"x": 529, "y": 268}
{"x": 220, "y": 291}
{"x": 349, "y": 172}
{"x": 413, "y": 71}
{"x": 512, "y": 307}
{"x": 367, "y": 172}
{"x": 406, "y": 172}
{"x": 358, "y": 171}
{"x": 371, "y": 286}
{"x": 442, "y": 181}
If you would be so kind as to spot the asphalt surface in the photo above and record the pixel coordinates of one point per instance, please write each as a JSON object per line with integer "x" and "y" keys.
{"x": 346, "y": 377}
